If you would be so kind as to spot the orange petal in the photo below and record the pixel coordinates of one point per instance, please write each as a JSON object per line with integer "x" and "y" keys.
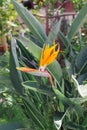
{"x": 49, "y": 54}
{"x": 26, "y": 69}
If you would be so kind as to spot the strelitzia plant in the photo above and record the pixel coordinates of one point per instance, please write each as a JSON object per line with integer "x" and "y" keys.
{"x": 48, "y": 55}
{"x": 53, "y": 106}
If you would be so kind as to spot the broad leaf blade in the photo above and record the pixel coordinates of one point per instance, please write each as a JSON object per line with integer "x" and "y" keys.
{"x": 34, "y": 86}
{"x": 11, "y": 126}
{"x": 77, "y": 22}
{"x": 54, "y": 32}
{"x": 55, "y": 70}
{"x": 16, "y": 76}
{"x": 64, "y": 39}
{"x": 67, "y": 44}
{"x": 69, "y": 67}
{"x": 31, "y": 22}
{"x": 60, "y": 96}
{"x": 34, "y": 49}
{"x": 81, "y": 60}
{"x": 35, "y": 114}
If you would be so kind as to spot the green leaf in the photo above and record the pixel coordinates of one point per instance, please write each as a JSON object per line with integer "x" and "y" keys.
{"x": 31, "y": 22}
{"x": 11, "y": 126}
{"x": 54, "y": 32}
{"x": 64, "y": 39}
{"x": 69, "y": 67}
{"x": 30, "y": 46}
{"x": 82, "y": 78}
{"x": 67, "y": 44}
{"x": 55, "y": 70}
{"x": 73, "y": 126}
{"x": 85, "y": 121}
{"x": 16, "y": 76}
{"x": 34, "y": 114}
{"x": 82, "y": 89}
{"x": 7, "y": 85}
{"x": 60, "y": 96}
{"x": 34, "y": 86}
{"x": 79, "y": 100}
{"x": 77, "y": 22}
{"x": 81, "y": 60}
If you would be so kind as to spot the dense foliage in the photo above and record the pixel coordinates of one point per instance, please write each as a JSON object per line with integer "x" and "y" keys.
{"x": 32, "y": 100}
{"x": 62, "y": 106}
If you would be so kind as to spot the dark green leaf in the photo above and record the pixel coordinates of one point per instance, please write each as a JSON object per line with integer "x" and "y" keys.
{"x": 81, "y": 60}
{"x": 34, "y": 86}
{"x": 82, "y": 78}
{"x": 16, "y": 76}
{"x": 35, "y": 114}
{"x": 64, "y": 39}
{"x": 85, "y": 121}
{"x": 11, "y": 126}
{"x": 73, "y": 126}
{"x": 67, "y": 44}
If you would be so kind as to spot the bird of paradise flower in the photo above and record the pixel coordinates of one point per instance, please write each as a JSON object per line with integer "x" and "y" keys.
{"x": 48, "y": 55}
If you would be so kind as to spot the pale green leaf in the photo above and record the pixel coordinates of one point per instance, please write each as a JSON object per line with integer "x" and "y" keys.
{"x": 31, "y": 22}
{"x": 77, "y": 22}
{"x": 82, "y": 89}
{"x": 34, "y": 49}
{"x": 54, "y": 32}
{"x": 55, "y": 70}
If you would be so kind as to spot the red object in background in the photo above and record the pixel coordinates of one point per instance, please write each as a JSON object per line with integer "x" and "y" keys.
{"x": 68, "y": 6}
{"x": 2, "y": 50}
